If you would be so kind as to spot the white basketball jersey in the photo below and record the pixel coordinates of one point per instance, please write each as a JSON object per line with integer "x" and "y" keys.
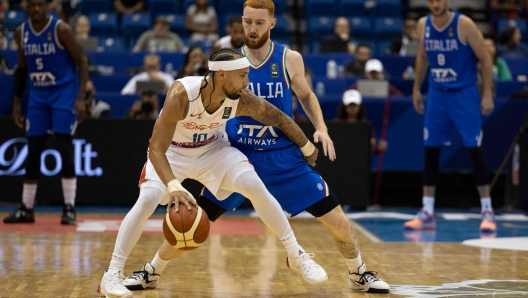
{"x": 200, "y": 128}
{"x": 225, "y": 42}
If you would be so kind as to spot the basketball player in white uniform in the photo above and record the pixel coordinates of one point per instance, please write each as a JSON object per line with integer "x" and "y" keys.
{"x": 187, "y": 143}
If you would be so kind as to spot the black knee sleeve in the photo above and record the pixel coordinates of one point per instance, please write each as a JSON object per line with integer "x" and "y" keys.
{"x": 323, "y": 206}
{"x": 431, "y": 167}
{"x": 65, "y": 147}
{"x": 480, "y": 169}
{"x": 213, "y": 210}
{"x": 35, "y": 148}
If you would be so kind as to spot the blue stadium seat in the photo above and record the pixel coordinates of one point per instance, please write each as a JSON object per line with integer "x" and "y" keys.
{"x": 352, "y": 8}
{"x": 387, "y": 8}
{"x": 176, "y": 22}
{"x": 281, "y": 7}
{"x": 361, "y": 26}
{"x": 230, "y": 7}
{"x": 388, "y": 27}
{"x": 285, "y": 41}
{"x": 382, "y": 47}
{"x": 133, "y": 24}
{"x": 159, "y": 7}
{"x": 90, "y": 6}
{"x": 320, "y": 7}
{"x": 111, "y": 43}
{"x": 13, "y": 18}
{"x": 103, "y": 23}
{"x": 320, "y": 26}
{"x": 281, "y": 27}
{"x": 519, "y": 23}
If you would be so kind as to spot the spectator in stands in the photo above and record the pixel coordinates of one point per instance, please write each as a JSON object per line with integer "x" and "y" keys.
{"x": 128, "y": 6}
{"x": 4, "y": 43}
{"x": 400, "y": 43}
{"x": 194, "y": 63}
{"x": 501, "y": 71}
{"x": 356, "y": 68}
{"x": 14, "y": 4}
{"x": 235, "y": 35}
{"x": 341, "y": 41}
{"x": 151, "y": 67}
{"x": 82, "y": 28}
{"x": 508, "y": 8}
{"x": 145, "y": 108}
{"x": 159, "y": 39}
{"x": 201, "y": 21}
{"x": 510, "y": 43}
{"x": 374, "y": 71}
{"x": 95, "y": 108}
{"x": 351, "y": 110}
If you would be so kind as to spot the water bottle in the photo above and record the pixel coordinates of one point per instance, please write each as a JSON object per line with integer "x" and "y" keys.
{"x": 320, "y": 89}
{"x": 331, "y": 69}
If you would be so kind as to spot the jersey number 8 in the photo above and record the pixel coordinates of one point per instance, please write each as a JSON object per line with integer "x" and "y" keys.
{"x": 441, "y": 59}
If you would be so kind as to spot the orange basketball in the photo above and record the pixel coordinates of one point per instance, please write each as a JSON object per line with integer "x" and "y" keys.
{"x": 186, "y": 229}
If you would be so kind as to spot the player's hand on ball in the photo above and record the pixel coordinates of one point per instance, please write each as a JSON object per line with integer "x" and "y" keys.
{"x": 418, "y": 102}
{"x": 177, "y": 197}
{"x": 328, "y": 145}
{"x": 312, "y": 158}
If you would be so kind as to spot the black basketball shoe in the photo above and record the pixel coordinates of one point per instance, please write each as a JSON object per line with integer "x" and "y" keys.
{"x": 69, "y": 216}
{"x": 22, "y": 215}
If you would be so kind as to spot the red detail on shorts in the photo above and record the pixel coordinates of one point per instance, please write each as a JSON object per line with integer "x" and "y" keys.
{"x": 143, "y": 173}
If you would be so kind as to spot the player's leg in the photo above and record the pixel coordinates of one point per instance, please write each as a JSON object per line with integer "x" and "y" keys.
{"x": 38, "y": 121}
{"x": 466, "y": 116}
{"x": 437, "y": 131}
{"x": 63, "y": 126}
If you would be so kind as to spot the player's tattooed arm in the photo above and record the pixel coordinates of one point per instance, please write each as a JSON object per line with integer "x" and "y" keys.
{"x": 262, "y": 111}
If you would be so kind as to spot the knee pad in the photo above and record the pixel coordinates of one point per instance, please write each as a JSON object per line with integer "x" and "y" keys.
{"x": 480, "y": 169}
{"x": 35, "y": 148}
{"x": 65, "y": 147}
{"x": 431, "y": 165}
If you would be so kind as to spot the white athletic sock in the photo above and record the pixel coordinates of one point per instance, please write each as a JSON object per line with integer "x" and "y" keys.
{"x": 69, "y": 187}
{"x": 117, "y": 263}
{"x": 159, "y": 263}
{"x": 29, "y": 191}
{"x": 292, "y": 247}
{"x": 354, "y": 264}
{"x": 485, "y": 204}
{"x": 428, "y": 204}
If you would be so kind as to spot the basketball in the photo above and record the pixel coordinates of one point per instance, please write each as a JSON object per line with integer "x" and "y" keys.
{"x": 186, "y": 229}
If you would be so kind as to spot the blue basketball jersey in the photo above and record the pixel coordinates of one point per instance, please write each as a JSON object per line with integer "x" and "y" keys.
{"x": 452, "y": 62}
{"x": 49, "y": 64}
{"x": 270, "y": 81}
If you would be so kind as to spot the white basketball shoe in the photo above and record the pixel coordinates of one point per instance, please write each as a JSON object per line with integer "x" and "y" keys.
{"x": 143, "y": 279}
{"x": 112, "y": 285}
{"x": 367, "y": 281}
{"x": 310, "y": 270}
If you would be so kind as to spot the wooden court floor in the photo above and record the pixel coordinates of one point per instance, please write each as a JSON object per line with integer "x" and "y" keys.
{"x": 64, "y": 262}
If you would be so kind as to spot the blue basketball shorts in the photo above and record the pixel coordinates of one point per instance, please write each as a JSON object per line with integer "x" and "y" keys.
{"x": 446, "y": 110}
{"x": 51, "y": 111}
{"x": 287, "y": 177}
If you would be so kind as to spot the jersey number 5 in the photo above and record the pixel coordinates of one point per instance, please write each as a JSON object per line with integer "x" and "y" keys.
{"x": 441, "y": 59}
{"x": 38, "y": 61}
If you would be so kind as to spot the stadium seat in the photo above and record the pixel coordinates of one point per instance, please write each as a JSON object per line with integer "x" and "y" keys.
{"x": 13, "y": 18}
{"x": 159, "y": 7}
{"x": 320, "y": 7}
{"x": 187, "y": 3}
{"x": 382, "y": 47}
{"x": 388, "y": 27}
{"x": 137, "y": 23}
{"x": 361, "y": 26}
{"x": 387, "y": 8}
{"x": 281, "y": 7}
{"x": 352, "y": 8}
{"x": 176, "y": 22}
{"x": 320, "y": 26}
{"x": 281, "y": 27}
{"x": 103, "y": 23}
{"x": 519, "y": 23}
{"x": 111, "y": 43}
{"x": 230, "y": 7}
{"x": 90, "y": 6}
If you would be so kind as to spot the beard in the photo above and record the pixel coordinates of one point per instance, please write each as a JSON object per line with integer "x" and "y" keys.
{"x": 440, "y": 13}
{"x": 230, "y": 94}
{"x": 258, "y": 43}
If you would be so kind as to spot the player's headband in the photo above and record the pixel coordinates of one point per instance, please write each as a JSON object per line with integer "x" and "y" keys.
{"x": 229, "y": 65}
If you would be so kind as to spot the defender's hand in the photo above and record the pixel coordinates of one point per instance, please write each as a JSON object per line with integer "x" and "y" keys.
{"x": 312, "y": 158}
{"x": 328, "y": 145}
{"x": 177, "y": 197}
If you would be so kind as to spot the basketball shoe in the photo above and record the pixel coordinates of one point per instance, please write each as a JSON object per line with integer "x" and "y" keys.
{"x": 423, "y": 221}
{"x": 112, "y": 285}
{"x": 488, "y": 222}
{"x": 310, "y": 270}
{"x": 143, "y": 279}
{"x": 22, "y": 215}
{"x": 367, "y": 281}
{"x": 69, "y": 216}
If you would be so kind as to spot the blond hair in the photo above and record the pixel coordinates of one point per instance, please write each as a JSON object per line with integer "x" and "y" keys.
{"x": 261, "y": 4}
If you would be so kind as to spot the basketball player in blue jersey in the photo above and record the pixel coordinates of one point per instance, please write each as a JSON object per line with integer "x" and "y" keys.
{"x": 49, "y": 52}
{"x": 274, "y": 73}
{"x": 451, "y": 46}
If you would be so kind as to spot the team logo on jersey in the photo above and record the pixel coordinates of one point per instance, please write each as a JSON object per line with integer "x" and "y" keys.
{"x": 26, "y": 37}
{"x": 49, "y": 36}
{"x": 227, "y": 112}
{"x": 451, "y": 34}
{"x": 427, "y": 32}
{"x": 274, "y": 70}
{"x": 444, "y": 75}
